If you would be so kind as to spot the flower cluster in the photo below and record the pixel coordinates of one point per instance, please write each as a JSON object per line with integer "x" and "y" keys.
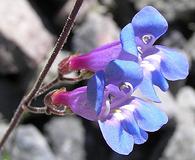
{"x": 120, "y": 68}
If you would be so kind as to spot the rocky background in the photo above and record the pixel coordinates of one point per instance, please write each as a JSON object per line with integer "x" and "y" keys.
{"x": 28, "y": 30}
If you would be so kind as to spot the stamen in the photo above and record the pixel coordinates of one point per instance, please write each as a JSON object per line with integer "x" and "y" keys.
{"x": 126, "y": 87}
{"x": 110, "y": 96}
{"x": 147, "y": 38}
{"x": 148, "y": 65}
{"x": 106, "y": 111}
{"x": 117, "y": 111}
{"x": 118, "y": 114}
{"x": 139, "y": 58}
{"x": 139, "y": 49}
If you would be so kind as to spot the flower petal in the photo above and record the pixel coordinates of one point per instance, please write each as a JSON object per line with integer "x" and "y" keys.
{"x": 77, "y": 101}
{"x": 116, "y": 137}
{"x": 128, "y": 40}
{"x": 147, "y": 89}
{"x": 149, "y": 21}
{"x": 95, "y": 91}
{"x": 114, "y": 91}
{"x": 96, "y": 59}
{"x": 131, "y": 126}
{"x": 149, "y": 117}
{"x": 159, "y": 80}
{"x": 151, "y": 66}
{"x": 119, "y": 71}
{"x": 174, "y": 65}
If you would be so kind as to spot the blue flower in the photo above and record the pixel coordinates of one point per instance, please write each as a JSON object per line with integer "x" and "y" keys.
{"x": 118, "y": 71}
{"x": 124, "y": 120}
{"x": 120, "y": 68}
{"x": 137, "y": 44}
{"x": 158, "y": 62}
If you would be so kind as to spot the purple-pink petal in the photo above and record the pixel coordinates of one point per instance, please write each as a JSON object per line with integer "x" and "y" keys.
{"x": 97, "y": 59}
{"x": 77, "y": 101}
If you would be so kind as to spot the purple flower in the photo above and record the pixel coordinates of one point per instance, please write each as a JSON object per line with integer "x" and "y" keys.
{"x": 137, "y": 44}
{"x": 96, "y": 59}
{"x": 124, "y": 120}
{"x": 118, "y": 71}
{"x": 120, "y": 68}
{"x": 158, "y": 62}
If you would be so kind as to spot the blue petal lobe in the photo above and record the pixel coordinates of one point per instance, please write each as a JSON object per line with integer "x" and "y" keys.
{"x": 127, "y": 38}
{"x": 159, "y": 80}
{"x": 147, "y": 89}
{"x": 149, "y": 117}
{"x": 149, "y": 21}
{"x": 174, "y": 65}
{"x": 95, "y": 91}
{"x": 131, "y": 126}
{"x": 119, "y": 71}
{"x": 116, "y": 137}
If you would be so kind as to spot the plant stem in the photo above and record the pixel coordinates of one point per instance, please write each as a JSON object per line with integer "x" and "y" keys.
{"x": 55, "y": 81}
{"x": 46, "y": 87}
{"x": 58, "y": 47}
{"x": 36, "y": 110}
{"x": 14, "y": 122}
{"x": 27, "y": 99}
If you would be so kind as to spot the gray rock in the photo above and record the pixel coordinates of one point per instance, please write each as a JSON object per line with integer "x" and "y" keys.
{"x": 186, "y": 97}
{"x": 171, "y": 9}
{"x": 97, "y": 30}
{"x": 30, "y": 144}
{"x": 107, "y": 2}
{"x": 174, "y": 39}
{"x": 54, "y": 68}
{"x": 190, "y": 47}
{"x": 182, "y": 145}
{"x": 67, "y": 7}
{"x": 66, "y": 136}
{"x": 168, "y": 102}
{"x": 3, "y": 127}
{"x": 23, "y": 38}
{"x": 182, "y": 108}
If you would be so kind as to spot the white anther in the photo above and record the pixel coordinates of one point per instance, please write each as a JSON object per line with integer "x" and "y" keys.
{"x": 147, "y": 38}
{"x": 139, "y": 49}
{"x": 126, "y": 87}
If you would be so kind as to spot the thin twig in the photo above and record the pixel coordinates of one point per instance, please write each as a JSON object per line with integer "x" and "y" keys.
{"x": 36, "y": 110}
{"x": 56, "y": 110}
{"x": 27, "y": 99}
{"x": 60, "y": 43}
{"x": 56, "y": 81}
{"x": 46, "y": 87}
{"x": 14, "y": 122}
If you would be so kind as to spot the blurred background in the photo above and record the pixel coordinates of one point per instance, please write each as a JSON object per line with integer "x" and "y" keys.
{"x": 28, "y": 30}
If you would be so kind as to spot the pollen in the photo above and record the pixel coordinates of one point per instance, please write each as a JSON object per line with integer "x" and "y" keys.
{"x": 117, "y": 111}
